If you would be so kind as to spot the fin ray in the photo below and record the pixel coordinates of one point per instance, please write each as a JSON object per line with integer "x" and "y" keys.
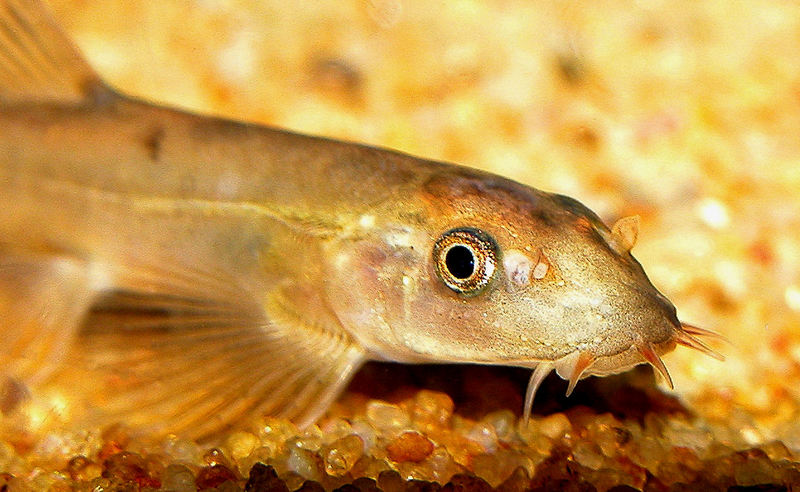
{"x": 39, "y": 62}
{"x": 42, "y": 301}
{"x": 207, "y": 362}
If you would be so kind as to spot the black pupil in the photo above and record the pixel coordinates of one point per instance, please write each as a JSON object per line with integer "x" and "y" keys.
{"x": 460, "y": 262}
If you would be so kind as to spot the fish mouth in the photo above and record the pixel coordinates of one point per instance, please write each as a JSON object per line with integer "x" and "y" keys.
{"x": 582, "y": 363}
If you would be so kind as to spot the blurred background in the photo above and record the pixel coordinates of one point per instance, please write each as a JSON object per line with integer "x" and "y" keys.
{"x": 684, "y": 112}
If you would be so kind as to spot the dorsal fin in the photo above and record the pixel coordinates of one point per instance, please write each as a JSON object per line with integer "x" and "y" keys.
{"x": 38, "y": 62}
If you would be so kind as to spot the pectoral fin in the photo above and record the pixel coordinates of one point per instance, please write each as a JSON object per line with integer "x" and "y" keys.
{"x": 42, "y": 302}
{"x": 194, "y": 364}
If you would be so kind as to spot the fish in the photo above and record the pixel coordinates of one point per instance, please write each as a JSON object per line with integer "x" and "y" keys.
{"x": 204, "y": 271}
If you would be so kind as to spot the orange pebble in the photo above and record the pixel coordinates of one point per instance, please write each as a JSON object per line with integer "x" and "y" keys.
{"x": 410, "y": 446}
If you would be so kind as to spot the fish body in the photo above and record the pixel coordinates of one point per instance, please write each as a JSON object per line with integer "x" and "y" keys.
{"x": 205, "y": 270}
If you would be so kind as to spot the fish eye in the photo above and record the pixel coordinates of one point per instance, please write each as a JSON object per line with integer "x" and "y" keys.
{"x": 465, "y": 260}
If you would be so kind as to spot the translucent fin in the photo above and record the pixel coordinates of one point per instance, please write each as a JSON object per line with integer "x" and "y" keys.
{"x": 38, "y": 63}
{"x": 537, "y": 376}
{"x": 197, "y": 363}
{"x": 42, "y": 301}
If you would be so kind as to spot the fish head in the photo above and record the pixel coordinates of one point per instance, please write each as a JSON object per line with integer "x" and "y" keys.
{"x": 477, "y": 268}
